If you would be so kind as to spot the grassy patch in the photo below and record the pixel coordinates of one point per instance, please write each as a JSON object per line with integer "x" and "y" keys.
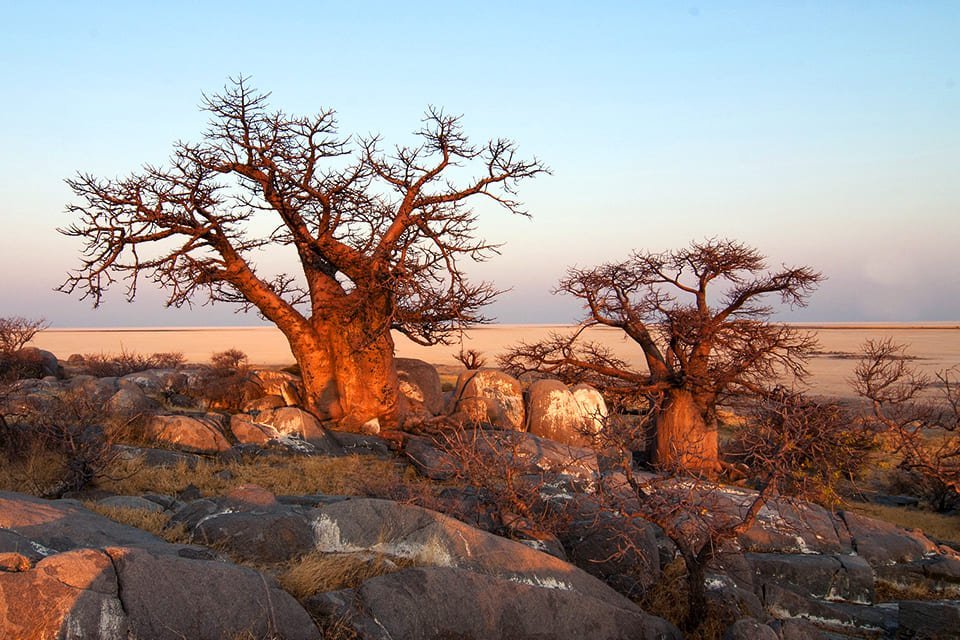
{"x": 153, "y": 522}
{"x": 943, "y": 527}
{"x": 296, "y": 475}
{"x": 320, "y": 572}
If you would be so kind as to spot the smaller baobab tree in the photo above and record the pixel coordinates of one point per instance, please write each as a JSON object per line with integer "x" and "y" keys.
{"x": 378, "y": 237}
{"x": 699, "y": 319}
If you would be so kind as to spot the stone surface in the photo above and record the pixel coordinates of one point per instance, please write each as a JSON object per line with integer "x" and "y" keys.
{"x": 294, "y": 421}
{"x": 749, "y": 629}
{"x": 592, "y": 405}
{"x": 130, "y": 401}
{"x": 829, "y": 577}
{"x": 505, "y": 394}
{"x": 271, "y": 536}
{"x": 554, "y": 413}
{"x": 420, "y": 382}
{"x": 264, "y": 403}
{"x": 131, "y": 502}
{"x": 450, "y": 603}
{"x": 433, "y": 539}
{"x": 930, "y": 620}
{"x": 882, "y": 543}
{"x": 247, "y": 431}
{"x": 272, "y": 381}
{"x": 201, "y": 433}
{"x": 156, "y": 457}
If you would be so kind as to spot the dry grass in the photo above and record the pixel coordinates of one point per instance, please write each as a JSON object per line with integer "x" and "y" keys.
{"x": 943, "y": 527}
{"x": 293, "y": 475}
{"x": 320, "y": 572}
{"x": 669, "y": 599}
{"x": 32, "y": 473}
{"x": 153, "y": 522}
{"x": 892, "y": 592}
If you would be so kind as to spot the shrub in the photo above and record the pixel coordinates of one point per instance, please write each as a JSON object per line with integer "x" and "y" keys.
{"x": 102, "y": 365}
{"x": 16, "y": 332}
{"x": 228, "y": 382}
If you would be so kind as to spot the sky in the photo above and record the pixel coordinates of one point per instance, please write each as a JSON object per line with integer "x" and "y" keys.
{"x": 821, "y": 133}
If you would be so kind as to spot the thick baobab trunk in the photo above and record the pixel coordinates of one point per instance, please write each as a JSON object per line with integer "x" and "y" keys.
{"x": 684, "y": 439}
{"x": 348, "y": 372}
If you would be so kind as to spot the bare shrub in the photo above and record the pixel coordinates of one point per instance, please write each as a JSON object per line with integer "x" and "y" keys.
{"x": 816, "y": 445}
{"x": 228, "y": 382}
{"x": 471, "y": 359}
{"x": 16, "y": 332}
{"x": 920, "y": 418}
{"x": 103, "y": 365}
{"x": 63, "y": 445}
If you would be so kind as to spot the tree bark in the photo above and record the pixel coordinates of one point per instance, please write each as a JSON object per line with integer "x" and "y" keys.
{"x": 684, "y": 438}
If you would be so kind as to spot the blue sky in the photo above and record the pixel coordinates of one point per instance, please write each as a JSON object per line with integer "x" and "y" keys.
{"x": 823, "y": 133}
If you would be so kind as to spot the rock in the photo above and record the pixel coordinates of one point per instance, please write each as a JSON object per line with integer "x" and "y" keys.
{"x": 247, "y": 431}
{"x": 47, "y": 363}
{"x": 620, "y": 551}
{"x": 592, "y": 405}
{"x": 146, "y": 381}
{"x": 554, "y": 413}
{"x": 420, "y": 382}
{"x": 828, "y": 577}
{"x": 156, "y": 457}
{"x": 785, "y": 604}
{"x": 505, "y": 409}
{"x": 930, "y": 620}
{"x": 63, "y": 525}
{"x": 451, "y": 603}
{"x": 272, "y": 381}
{"x": 749, "y": 629}
{"x": 130, "y": 401}
{"x": 798, "y": 630}
{"x": 405, "y": 531}
{"x": 96, "y": 390}
{"x": 264, "y": 403}
{"x": 202, "y": 434}
{"x": 791, "y": 527}
{"x": 361, "y": 443}
{"x": 882, "y": 543}
{"x": 267, "y": 536}
{"x": 294, "y": 421}
{"x": 131, "y": 502}
{"x": 937, "y": 573}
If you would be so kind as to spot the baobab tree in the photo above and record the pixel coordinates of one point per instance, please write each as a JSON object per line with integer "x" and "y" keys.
{"x": 379, "y": 237}
{"x": 699, "y": 343}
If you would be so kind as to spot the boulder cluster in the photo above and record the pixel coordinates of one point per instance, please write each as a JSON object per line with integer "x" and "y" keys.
{"x": 800, "y": 571}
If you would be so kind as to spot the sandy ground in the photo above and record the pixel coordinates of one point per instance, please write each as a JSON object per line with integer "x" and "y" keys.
{"x": 937, "y": 346}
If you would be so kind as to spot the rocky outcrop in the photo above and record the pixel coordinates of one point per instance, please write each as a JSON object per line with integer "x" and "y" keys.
{"x": 490, "y": 396}
{"x": 453, "y": 603}
{"x": 420, "y": 383}
{"x": 199, "y": 433}
{"x": 554, "y": 413}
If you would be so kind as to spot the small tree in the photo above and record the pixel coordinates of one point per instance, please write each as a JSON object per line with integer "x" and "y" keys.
{"x": 919, "y": 415}
{"x": 379, "y": 237}
{"x": 16, "y": 332}
{"x": 698, "y": 344}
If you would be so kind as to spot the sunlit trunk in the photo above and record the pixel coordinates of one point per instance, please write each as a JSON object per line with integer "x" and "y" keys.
{"x": 684, "y": 440}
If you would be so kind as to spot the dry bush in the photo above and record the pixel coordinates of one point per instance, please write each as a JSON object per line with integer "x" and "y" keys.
{"x": 228, "y": 382}
{"x": 813, "y": 445}
{"x": 18, "y": 365}
{"x": 103, "y": 365}
{"x": 919, "y": 417}
{"x": 492, "y": 462}
{"x": 16, "y": 332}
{"x": 471, "y": 359}
{"x": 319, "y": 572}
{"x": 59, "y": 444}
{"x": 155, "y": 522}
{"x": 669, "y": 598}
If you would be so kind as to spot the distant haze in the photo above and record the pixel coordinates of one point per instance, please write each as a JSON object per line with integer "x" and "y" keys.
{"x": 822, "y": 133}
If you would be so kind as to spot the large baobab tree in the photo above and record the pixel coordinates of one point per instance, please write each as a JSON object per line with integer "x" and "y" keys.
{"x": 698, "y": 317}
{"x": 379, "y": 237}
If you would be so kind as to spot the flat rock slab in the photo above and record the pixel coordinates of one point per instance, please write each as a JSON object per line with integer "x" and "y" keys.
{"x": 830, "y": 577}
{"x": 433, "y": 539}
{"x": 436, "y": 603}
